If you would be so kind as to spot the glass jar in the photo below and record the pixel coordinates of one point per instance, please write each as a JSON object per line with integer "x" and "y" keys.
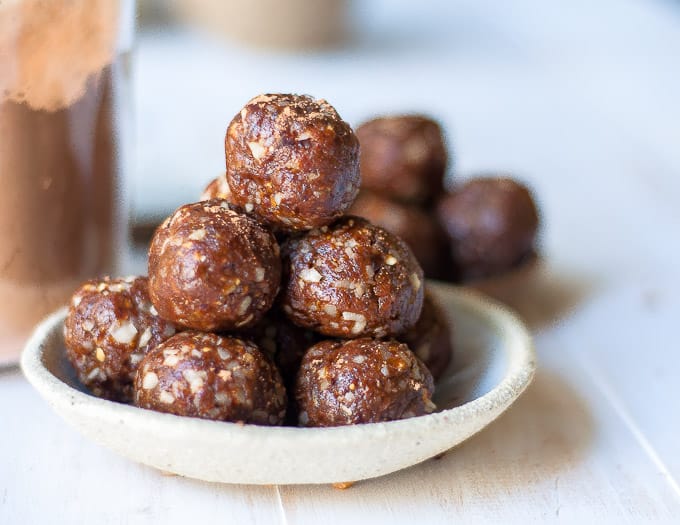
{"x": 64, "y": 122}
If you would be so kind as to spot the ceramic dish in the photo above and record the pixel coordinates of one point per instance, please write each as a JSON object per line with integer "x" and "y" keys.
{"x": 493, "y": 364}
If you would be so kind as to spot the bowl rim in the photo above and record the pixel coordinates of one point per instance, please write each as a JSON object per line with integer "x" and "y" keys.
{"x": 518, "y": 375}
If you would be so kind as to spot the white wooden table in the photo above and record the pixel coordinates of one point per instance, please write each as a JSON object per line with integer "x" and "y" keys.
{"x": 583, "y": 102}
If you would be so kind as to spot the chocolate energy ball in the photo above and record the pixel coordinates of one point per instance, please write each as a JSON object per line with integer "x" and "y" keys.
{"x": 212, "y": 269}
{"x": 420, "y": 230}
{"x": 292, "y": 161}
{"x": 110, "y": 326}
{"x": 217, "y": 189}
{"x": 403, "y": 157}
{"x": 492, "y": 225}
{"x": 286, "y": 344}
{"x": 283, "y": 342}
{"x": 212, "y": 377}
{"x": 361, "y": 381}
{"x": 291, "y": 344}
{"x": 430, "y": 338}
{"x": 351, "y": 279}
{"x": 263, "y": 334}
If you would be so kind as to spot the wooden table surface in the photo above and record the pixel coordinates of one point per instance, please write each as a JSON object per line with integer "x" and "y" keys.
{"x": 581, "y": 101}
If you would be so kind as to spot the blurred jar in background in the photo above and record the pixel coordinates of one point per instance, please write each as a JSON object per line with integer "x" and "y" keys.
{"x": 63, "y": 121}
{"x": 273, "y": 24}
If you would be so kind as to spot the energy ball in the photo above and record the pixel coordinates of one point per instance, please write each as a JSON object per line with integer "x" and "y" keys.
{"x": 218, "y": 188}
{"x": 420, "y": 230}
{"x": 213, "y": 269}
{"x": 491, "y": 224}
{"x": 291, "y": 344}
{"x": 292, "y": 162}
{"x": 403, "y": 157}
{"x": 286, "y": 344}
{"x": 212, "y": 377}
{"x": 361, "y": 381}
{"x": 110, "y": 326}
{"x": 350, "y": 280}
{"x": 283, "y": 342}
{"x": 430, "y": 338}
{"x": 263, "y": 334}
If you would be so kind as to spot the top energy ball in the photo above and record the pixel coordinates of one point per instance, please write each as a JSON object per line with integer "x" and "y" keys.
{"x": 292, "y": 162}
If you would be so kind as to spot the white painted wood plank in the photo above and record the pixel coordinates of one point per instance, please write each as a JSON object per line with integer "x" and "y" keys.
{"x": 50, "y": 474}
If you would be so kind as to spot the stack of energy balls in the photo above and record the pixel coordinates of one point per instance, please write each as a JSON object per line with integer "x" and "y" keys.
{"x": 264, "y": 302}
{"x": 483, "y": 228}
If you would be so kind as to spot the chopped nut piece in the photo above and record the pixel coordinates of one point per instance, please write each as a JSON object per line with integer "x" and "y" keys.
{"x": 330, "y": 309}
{"x": 135, "y": 358}
{"x": 257, "y": 149}
{"x": 150, "y": 381}
{"x": 194, "y": 378}
{"x": 343, "y": 485}
{"x": 144, "y": 338}
{"x": 310, "y": 275}
{"x": 171, "y": 360}
{"x": 124, "y": 333}
{"x": 359, "y": 321}
{"x": 243, "y": 307}
{"x": 197, "y": 235}
{"x": 166, "y": 397}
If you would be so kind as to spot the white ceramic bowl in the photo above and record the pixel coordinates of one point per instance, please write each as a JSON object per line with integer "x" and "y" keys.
{"x": 493, "y": 364}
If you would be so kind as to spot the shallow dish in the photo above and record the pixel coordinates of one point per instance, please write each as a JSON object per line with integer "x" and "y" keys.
{"x": 493, "y": 364}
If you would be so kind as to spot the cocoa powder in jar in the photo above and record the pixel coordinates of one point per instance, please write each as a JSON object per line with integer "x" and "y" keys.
{"x": 59, "y": 153}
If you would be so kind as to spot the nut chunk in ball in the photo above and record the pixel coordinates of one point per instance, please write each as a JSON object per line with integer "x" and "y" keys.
{"x": 403, "y": 157}
{"x": 430, "y": 338}
{"x": 211, "y": 268}
{"x": 212, "y": 377}
{"x": 492, "y": 225}
{"x": 110, "y": 326}
{"x": 292, "y": 161}
{"x": 351, "y": 279}
{"x": 218, "y": 188}
{"x": 361, "y": 381}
